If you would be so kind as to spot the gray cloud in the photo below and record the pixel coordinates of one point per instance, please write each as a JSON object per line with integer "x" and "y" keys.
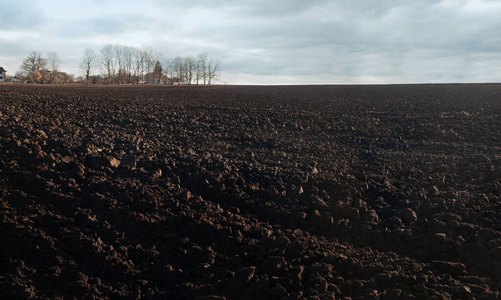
{"x": 21, "y": 14}
{"x": 272, "y": 41}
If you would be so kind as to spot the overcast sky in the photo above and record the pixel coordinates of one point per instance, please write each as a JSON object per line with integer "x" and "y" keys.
{"x": 273, "y": 41}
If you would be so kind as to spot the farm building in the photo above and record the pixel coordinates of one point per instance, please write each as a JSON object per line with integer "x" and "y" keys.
{"x": 3, "y": 75}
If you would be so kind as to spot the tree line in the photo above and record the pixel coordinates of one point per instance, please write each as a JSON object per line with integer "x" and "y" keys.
{"x": 38, "y": 69}
{"x": 119, "y": 64}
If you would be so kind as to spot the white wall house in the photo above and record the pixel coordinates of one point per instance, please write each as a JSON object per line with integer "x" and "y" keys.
{"x": 3, "y": 75}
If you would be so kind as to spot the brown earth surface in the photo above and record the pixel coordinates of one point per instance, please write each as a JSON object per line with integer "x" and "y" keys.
{"x": 239, "y": 192}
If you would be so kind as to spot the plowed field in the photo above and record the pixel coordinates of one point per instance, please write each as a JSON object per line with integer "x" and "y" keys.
{"x": 241, "y": 192}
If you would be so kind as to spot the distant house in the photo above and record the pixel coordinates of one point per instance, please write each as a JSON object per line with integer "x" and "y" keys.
{"x": 152, "y": 78}
{"x": 3, "y": 75}
{"x": 15, "y": 80}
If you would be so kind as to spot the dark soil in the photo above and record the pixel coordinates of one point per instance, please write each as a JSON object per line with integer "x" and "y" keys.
{"x": 234, "y": 192}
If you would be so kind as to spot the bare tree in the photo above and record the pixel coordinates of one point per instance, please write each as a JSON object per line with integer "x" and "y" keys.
{"x": 107, "y": 62}
{"x": 32, "y": 65}
{"x": 168, "y": 70}
{"x": 138, "y": 65}
{"x": 157, "y": 71}
{"x": 34, "y": 62}
{"x": 53, "y": 60}
{"x": 191, "y": 68}
{"x": 35, "y": 76}
{"x": 202, "y": 67}
{"x": 177, "y": 64}
{"x": 120, "y": 63}
{"x": 184, "y": 68}
{"x": 198, "y": 71}
{"x": 67, "y": 78}
{"x": 46, "y": 76}
{"x": 212, "y": 70}
{"x": 143, "y": 58}
{"x": 88, "y": 62}
{"x": 128, "y": 53}
{"x": 147, "y": 64}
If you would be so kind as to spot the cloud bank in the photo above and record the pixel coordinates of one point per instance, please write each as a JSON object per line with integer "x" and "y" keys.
{"x": 274, "y": 42}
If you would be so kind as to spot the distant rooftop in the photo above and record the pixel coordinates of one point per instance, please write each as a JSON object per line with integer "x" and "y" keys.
{"x": 2, "y": 70}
